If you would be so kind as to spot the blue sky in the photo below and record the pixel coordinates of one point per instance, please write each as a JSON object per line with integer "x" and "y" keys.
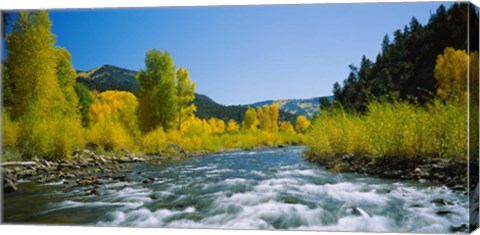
{"x": 241, "y": 54}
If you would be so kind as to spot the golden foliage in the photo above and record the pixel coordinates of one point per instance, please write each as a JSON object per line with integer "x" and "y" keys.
{"x": 250, "y": 121}
{"x": 287, "y": 127}
{"x": 393, "y": 129}
{"x": 302, "y": 124}
{"x": 185, "y": 95}
{"x": 268, "y": 117}
{"x": 110, "y": 136}
{"x": 451, "y": 73}
{"x": 232, "y": 126}
{"x": 154, "y": 141}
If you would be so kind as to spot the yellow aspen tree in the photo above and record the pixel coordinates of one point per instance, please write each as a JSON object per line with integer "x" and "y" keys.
{"x": 250, "y": 121}
{"x": 263, "y": 118}
{"x": 273, "y": 113}
{"x": 116, "y": 106}
{"x": 287, "y": 127}
{"x": 232, "y": 126}
{"x": 66, "y": 76}
{"x": 185, "y": 96}
{"x": 302, "y": 124}
{"x": 451, "y": 72}
{"x": 31, "y": 59}
{"x": 158, "y": 105}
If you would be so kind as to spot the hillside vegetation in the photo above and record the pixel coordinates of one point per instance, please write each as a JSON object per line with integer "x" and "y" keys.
{"x": 412, "y": 101}
{"x": 109, "y": 77}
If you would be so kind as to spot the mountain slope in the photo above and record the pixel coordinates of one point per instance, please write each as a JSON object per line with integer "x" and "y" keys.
{"x": 207, "y": 108}
{"x": 109, "y": 77}
{"x": 306, "y": 107}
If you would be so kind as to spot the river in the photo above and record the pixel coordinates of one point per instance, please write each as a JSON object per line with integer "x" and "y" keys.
{"x": 258, "y": 189}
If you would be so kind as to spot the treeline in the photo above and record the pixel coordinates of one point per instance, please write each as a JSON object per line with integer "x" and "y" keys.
{"x": 404, "y": 68}
{"x": 47, "y": 114}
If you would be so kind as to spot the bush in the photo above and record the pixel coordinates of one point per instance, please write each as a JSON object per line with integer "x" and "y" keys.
{"x": 111, "y": 136}
{"x": 49, "y": 139}
{"x": 393, "y": 129}
{"x": 154, "y": 141}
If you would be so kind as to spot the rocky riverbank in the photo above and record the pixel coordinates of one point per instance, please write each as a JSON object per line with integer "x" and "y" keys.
{"x": 452, "y": 173}
{"x": 85, "y": 167}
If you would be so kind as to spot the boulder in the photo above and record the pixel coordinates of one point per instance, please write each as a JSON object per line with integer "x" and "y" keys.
{"x": 9, "y": 186}
{"x": 148, "y": 180}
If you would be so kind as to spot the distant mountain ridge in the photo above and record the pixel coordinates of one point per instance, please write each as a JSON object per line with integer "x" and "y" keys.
{"x": 307, "y": 107}
{"x": 109, "y": 77}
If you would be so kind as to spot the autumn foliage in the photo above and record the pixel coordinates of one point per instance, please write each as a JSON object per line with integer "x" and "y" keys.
{"x": 47, "y": 114}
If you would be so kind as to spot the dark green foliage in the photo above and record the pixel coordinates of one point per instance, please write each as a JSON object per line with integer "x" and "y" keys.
{"x": 7, "y": 87}
{"x": 325, "y": 103}
{"x": 404, "y": 68}
{"x": 109, "y": 77}
{"x": 85, "y": 100}
{"x": 157, "y": 97}
{"x": 207, "y": 108}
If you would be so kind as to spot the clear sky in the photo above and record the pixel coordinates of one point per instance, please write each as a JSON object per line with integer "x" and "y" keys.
{"x": 241, "y": 54}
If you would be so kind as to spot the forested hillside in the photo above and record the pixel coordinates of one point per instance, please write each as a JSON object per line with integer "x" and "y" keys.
{"x": 306, "y": 107}
{"x": 404, "y": 68}
{"x": 109, "y": 77}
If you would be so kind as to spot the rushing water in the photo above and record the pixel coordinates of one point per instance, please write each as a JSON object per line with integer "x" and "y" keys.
{"x": 261, "y": 189}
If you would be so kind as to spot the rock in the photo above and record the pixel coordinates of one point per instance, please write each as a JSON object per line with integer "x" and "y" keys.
{"x": 102, "y": 160}
{"x": 64, "y": 165}
{"x": 9, "y": 187}
{"x": 94, "y": 192}
{"x": 46, "y": 164}
{"x": 462, "y": 228}
{"x": 418, "y": 171}
{"x": 87, "y": 181}
{"x": 441, "y": 202}
{"x": 137, "y": 159}
{"x": 41, "y": 180}
{"x": 148, "y": 180}
{"x": 120, "y": 178}
{"x": 123, "y": 160}
{"x": 443, "y": 212}
{"x": 70, "y": 175}
{"x": 459, "y": 188}
{"x": 10, "y": 176}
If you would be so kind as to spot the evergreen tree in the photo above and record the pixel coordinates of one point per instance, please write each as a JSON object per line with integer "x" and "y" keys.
{"x": 404, "y": 69}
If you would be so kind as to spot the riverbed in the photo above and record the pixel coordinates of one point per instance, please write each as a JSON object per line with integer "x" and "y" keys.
{"x": 257, "y": 189}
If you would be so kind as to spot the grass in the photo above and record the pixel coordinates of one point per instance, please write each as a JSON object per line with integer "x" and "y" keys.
{"x": 392, "y": 129}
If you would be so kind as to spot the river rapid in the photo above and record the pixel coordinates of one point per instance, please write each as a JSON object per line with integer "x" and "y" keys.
{"x": 258, "y": 189}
